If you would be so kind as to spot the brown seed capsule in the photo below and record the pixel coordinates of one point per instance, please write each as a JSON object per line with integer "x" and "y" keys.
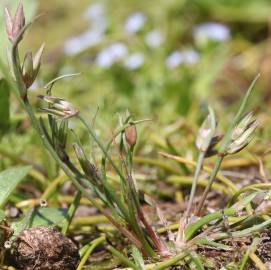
{"x": 44, "y": 248}
{"x": 131, "y": 135}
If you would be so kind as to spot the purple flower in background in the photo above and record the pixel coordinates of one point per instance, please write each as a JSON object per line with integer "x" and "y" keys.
{"x": 134, "y": 61}
{"x": 174, "y": 59}
{"x": 177, "y": 58}
{"x": 135, "y": 22}
{"x": 110, "y": 55}
{"x": 155, "y": 38}
{"x": 80, "y": 43}
{"x": 95, "y": 12}
{"x": 96, "y": 15}
{"x": 211, "y": 31}
{"x": 190, "y": 56}
{"x": 98, "y": 24}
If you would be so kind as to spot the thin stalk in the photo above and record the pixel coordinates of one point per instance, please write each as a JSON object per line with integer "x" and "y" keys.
{"x": 255, "y": 228}
{"x": 210, "y": 183}
{"x": 225, "y": 143}
{"x": 73, "y": 207}
{"x": 75, "y": 179}
{"x": 194, "y": 184}
{"x": 104, "y": 150}
{"x": 88, "y": 250}
{"x": 166, "y": 264}
{"x": 122, "y": 258}
{"x": 53, "y": 186}
{"x": 250, "y": 250}
{"x": 160, "y": 245}
{"x": 170, "y": 262}
{"x": 112, "y": 194}
{"x": 191, "y": 198}
{"x": 247, "y": 188}
{"x": 187, "y": 180}
{"x": 157, "y": 163}
{"x": 130, "y": 217}
{"x": 257, "y": 261}
{"x": 207, "y": 169}
{"x": 194, "y": 227}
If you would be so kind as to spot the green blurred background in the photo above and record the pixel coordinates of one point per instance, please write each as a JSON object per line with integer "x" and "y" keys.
{"x": 164, "y": 59}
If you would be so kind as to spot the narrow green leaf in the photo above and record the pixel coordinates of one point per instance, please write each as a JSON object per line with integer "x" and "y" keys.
{"x": 139, "y": 261}
{"x": 9, "y": 179}
{"x": 209, "y": 243}
{"x": 196, "y": 260}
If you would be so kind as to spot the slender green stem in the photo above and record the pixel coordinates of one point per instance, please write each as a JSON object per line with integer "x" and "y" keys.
{"x": 170, "y": 262}
{"x": 129, "y": 216}
{"x": 187, "y": 180}
{"x": 194, "y": 184}
{"x": 123, "y": 258}
{"x": 183, "y": 220}
{"x": 246, "y": 232}
{"x": 225, "y": 143}
{"x": 156, "y": 162}
{"x": 112, "y": 194}
{"x": 104, "y": 150}
{"x": 250, "y": 250}
{"x": 210, "y": 183}
{"x": 71, "y": 212}
{"x": 76, "y": 180}
{"x": 88, "y": 249}
{"x": 192, "y": 229}
{"x": 247, "y": 188}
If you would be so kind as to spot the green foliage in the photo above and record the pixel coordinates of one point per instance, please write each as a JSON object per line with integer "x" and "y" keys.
{"x": 174, "y": 97}
{"x": 9, "y": 179}
{"x": 48, "y": 216}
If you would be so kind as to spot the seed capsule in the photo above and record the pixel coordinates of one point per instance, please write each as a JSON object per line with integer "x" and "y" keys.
{"x": 131, "y": 135}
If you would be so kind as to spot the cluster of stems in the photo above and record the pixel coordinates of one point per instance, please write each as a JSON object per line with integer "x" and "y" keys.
{"x": 237, "y": 137}
{"x": 121, "y": 206}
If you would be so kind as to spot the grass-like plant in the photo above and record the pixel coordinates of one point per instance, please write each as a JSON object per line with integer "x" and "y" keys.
{"x": 121, "y": 205}
{"x": 125, "y": 211}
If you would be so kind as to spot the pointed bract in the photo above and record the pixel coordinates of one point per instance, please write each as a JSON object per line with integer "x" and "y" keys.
{"x": 16, "y": 24}
{"x": 59, "y": 107}
{"x": 9, "y": 23}
{"x": 19, "y": 19}
{"x": 244, "y": 138}
{"x": 27, "y": 70}
{"x": 207, "y": 132}
{"x": 37, "y": 58}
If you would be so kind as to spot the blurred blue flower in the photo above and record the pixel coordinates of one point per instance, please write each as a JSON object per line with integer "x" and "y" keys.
{"x": 110, "y": 55}
{"x": 135, "y": 22}
{"x": 80, "y": 43}
{"x": 211, "y": 31}
{"x": 182, "y": 57}
{"x": 98, "y": 25}
{"x": 134, "y": 61}
{"x": 155, "y": 38}
{"x": 97, "y": 17}
{"x": 95, "y": 12}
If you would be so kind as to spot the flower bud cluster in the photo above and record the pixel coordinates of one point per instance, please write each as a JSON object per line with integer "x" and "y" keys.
{"x": 242, "y": 134}
{"x": 59, "y": 107}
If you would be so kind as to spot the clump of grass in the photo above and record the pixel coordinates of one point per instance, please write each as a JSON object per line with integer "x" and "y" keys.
{"x": 121, "y": 206}
{"x": 125, "y": 213}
